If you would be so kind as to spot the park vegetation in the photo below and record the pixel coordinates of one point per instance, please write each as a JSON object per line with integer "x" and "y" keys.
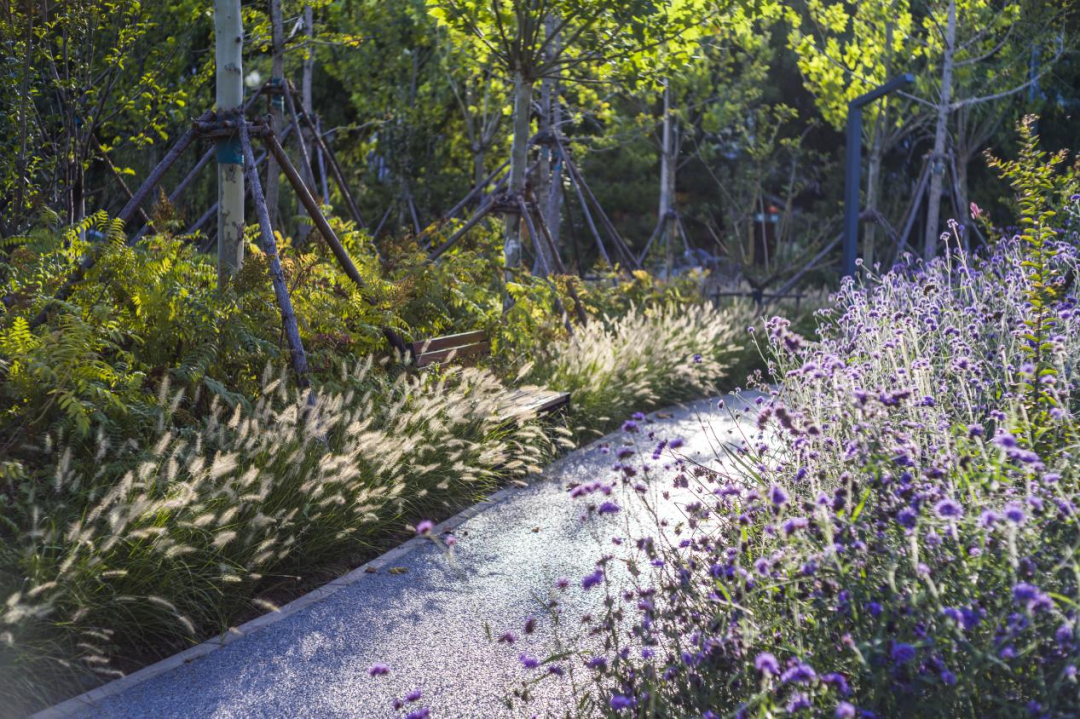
{"x": 206, "y": 400}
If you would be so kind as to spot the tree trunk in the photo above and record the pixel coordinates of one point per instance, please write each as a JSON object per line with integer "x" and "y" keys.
{"x": 304, "y": 227}
{"x": 277, "y": 106}
{"x": 552, "y": 209}
{"x": 545, "y": 187}
{"x": 669, "y": 158}
{"x": 519, "y": 160}
{"x": 228, "y": 48}
{"x": 941, "y": 131}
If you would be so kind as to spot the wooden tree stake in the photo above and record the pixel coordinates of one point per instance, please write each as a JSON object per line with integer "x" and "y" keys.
{"x": 277, "y": 277}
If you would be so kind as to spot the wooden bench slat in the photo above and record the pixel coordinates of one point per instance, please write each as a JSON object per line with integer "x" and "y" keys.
{"x": 470, "y": 344}
{"x": 427, "y": 358}
{"x": 448, "y": 341}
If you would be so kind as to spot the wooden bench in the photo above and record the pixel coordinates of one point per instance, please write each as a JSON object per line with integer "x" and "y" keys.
{"x": 475, "y": 344}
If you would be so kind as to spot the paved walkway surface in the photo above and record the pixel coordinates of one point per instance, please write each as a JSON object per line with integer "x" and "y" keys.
{"x": 428, "y": 623}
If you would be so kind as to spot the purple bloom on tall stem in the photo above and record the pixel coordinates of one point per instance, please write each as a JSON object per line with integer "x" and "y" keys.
{"x": 844, "y": 710}
{"x": 608, "y": 508}
{"x": 593, "y": 579}
{"x": 948, "y": 509}
{"x": 619, "y": 702}
{"x": 794, "y": 524}
{"x": 797, "y": 703}
{"x": 766, "y": 664}
{"x": 778, "y": 496}
{"x": 419, "y": 714}
{"x": 413, "y": 696}
{"x": 630, "y": 426}
{"x": 377, "y": 670}
{"x": 839, "y": 681}
{"x": 799, "y": 673}
{"x": 425, "y": 527}
{"x": 902, "y": 653}
{"x": 528, "y": 662}
{"x": 1014, "y": 513}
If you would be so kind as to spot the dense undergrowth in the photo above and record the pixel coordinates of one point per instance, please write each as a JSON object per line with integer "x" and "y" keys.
{"x": 897, "y": 535}
{"x": 163, "y": 478}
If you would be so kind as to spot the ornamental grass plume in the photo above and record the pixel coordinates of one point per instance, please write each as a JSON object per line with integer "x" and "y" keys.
{"x": 896, "y": 535}
{"x": 163, "y": 545}
{"x": 650, "y": 357}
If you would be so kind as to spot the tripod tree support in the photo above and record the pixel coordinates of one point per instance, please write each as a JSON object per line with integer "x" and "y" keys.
{"x": 298, "y": 357}
{"x": 335, "y": 170}
{"x": 316, "y": 215}
{"x": 852, "y": 165}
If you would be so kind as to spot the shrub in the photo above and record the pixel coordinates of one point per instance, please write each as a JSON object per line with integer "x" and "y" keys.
{"x": 897, "y": 535}
{"x": 645, "y": 359}
{"x": 144, "y": 548}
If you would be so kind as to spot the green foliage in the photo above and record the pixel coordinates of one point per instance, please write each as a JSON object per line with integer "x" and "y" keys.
{"x": 1040, "y": 188}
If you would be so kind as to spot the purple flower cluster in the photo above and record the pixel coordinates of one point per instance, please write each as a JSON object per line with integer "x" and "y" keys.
{"x": 911, "y": 512}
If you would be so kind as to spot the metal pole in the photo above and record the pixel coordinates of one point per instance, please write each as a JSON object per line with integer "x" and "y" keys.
{"x": 852, "y": 166}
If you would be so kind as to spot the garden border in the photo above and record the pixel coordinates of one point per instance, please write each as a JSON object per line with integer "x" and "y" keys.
{"x": 87, "y": 700}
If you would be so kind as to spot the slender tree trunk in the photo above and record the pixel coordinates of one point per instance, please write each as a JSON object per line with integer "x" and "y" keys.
{"x": 941, "y": 132}
{"x": 669, "y": 158}
{"x": 545, "y": 177}
{"x": 307, "y": 107}
{"x": 519, "y": 160}
{"x": 24, "y": 114}
{"x": 553, "y": 207}
{"x": 551, "y": 202}
{"x": 277, "y": 106}
{"x": 228, "y": 47}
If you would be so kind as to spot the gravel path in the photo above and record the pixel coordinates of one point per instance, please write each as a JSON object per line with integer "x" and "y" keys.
{"x": 428, "y": 623}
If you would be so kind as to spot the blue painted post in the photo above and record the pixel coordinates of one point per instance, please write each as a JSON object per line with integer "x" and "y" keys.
{"x": 852, "y": 166}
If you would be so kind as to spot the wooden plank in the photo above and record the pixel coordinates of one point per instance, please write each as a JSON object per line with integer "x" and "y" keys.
{"x": 447, "y": 341}
{"x": 428, "y": 358}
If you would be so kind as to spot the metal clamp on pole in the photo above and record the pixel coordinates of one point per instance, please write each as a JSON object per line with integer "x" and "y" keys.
{"x": 852, "y": 165}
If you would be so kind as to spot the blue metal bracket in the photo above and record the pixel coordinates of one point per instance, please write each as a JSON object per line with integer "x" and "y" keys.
{"x": 852, "y": 167}
{"x": 229, "y": 151}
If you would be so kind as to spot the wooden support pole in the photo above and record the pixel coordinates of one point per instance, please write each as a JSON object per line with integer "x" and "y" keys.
{"x": 125, "y": 215}
{"x": 579, "y": 180}
{"x": 556, "y": 301}
{"x": 335, "y": 170}
{"x": 589, "y": 219}
{"x": 480, "y": 214}
{"x": 385, "y": 217}
{"x": 277, "y": 277}
{"x": 304, "y": 156}
{"x": 320, "y": 161}
{"x": 314, "y": 211}
{"x": 652, "y": 238}
{"x": 202, "y": 162}
{"x": 477, "y": 189}
{"x": 159, "y": 171}
{"x": 583, "y": 318}
{"x": 316, "y": 215}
